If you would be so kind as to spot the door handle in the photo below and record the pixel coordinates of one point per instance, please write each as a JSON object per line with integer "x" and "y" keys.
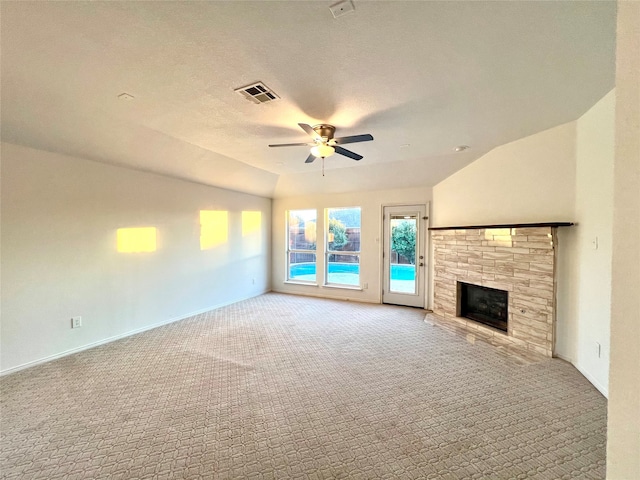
{"x": 421, "y": 264}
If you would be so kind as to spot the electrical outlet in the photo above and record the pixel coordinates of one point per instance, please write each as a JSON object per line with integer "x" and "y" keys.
{"x": 341, "y": 8}
{"x": 76, "y": 322}
{"x": 365, "y": 286}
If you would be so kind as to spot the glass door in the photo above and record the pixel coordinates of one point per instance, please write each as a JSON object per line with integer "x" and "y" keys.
{"x": 404, "y": 255}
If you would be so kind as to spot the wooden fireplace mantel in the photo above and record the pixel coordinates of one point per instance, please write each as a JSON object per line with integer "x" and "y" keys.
{"x": 506, "y": 225}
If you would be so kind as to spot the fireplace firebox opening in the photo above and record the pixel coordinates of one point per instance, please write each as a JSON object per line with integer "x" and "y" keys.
{"x": 483, "y": 304}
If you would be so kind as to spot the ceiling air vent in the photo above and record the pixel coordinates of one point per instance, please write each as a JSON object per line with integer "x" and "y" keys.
{"x": 257, "y": 93}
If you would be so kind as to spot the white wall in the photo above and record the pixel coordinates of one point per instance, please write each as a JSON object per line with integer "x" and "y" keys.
{"x": 561, "y": 174}
{"x": 594, "y": 217}
{"x": 59, "y": 220}
{"x": 529, "y": 180}
{"x": 623, "y": 429}
{"x": 371, "y": 258}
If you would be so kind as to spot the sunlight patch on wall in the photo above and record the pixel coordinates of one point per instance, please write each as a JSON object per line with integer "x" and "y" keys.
{"x": 214, "y": 228}
{"x": 251, "y": 222}
{"x": 137, "y": 240}
{"x": 498, "y": 237}
{"x": 251, "y": 233}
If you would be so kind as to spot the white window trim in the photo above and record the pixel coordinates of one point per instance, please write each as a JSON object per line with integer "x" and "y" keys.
{"x": 289, "y": 251}
{"x": 346, "y": 286}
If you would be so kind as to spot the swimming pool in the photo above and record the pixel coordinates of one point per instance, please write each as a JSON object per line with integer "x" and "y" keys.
{"x": 398, "y": 272}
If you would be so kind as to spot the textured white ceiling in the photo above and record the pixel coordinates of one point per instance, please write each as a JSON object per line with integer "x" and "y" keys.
{"x": 430, "y": 74}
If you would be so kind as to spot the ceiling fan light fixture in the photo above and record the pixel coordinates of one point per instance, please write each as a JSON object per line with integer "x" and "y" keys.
{"x": 323, "y": 150}
{"x": 324, "y": 144}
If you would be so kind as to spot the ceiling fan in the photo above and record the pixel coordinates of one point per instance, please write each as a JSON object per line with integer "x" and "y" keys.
{"x": 324, "y": 144}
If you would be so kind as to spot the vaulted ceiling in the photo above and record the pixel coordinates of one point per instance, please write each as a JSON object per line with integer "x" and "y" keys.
{"x": 421, "y": 77}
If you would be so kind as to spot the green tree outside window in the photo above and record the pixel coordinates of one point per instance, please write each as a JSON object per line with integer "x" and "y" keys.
{"x": 337, "y": 234}
{"x": 403, "y": 240}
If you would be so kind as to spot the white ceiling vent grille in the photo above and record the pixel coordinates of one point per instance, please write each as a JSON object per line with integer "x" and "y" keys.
{"x": 257, "y": 93}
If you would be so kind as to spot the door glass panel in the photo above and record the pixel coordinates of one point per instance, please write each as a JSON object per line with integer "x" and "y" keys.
{"x": 402, "y": 263}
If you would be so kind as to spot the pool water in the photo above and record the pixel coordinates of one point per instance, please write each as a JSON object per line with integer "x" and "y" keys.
{"x": 398, "y": 272}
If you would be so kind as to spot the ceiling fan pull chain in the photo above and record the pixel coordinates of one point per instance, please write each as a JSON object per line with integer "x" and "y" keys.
{"x": 323, "y": 166}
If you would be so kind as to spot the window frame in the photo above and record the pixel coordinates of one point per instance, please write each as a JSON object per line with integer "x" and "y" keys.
{"x": 328, "y": 252}
{"x": 289, "y": 250}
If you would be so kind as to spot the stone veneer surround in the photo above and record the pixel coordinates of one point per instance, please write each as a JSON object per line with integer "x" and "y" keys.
{"x": 518, "y": 260}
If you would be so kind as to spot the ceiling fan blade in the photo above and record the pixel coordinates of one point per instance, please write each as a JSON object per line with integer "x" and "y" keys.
{"x": 292, "y": 144}
{"x": 348, "y": 153}
{"x": 310, "y": 131}
{"x": 353, "y": 139}
{"x": 310, "y": 158}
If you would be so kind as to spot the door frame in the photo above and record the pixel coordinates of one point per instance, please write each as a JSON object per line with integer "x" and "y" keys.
{"x": 422, "y": 249}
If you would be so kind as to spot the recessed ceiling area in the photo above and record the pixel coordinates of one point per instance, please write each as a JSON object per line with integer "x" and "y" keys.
{"x": 432, "y": 75}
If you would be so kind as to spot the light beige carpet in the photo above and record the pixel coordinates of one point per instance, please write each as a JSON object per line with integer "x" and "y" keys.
{"x": 283, "y": 387}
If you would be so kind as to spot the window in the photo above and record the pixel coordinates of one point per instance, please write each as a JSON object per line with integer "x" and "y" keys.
{"x": 301, "y": 245}
{"x": 342, "y": 246}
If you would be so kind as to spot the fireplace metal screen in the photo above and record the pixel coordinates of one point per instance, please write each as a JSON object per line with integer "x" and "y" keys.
{"x": 483, "y": 304}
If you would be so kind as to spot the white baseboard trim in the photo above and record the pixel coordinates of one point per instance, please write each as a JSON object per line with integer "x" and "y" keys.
{"x": 328, "y": 297}
{"x": 592, "y": 380}
{"x": 563, "y": 357}
{"x": 71, "y": 351}
{"x": 586, "y": 375}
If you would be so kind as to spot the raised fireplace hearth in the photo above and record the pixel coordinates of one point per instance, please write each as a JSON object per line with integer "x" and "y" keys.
{"x": 498, "y": 282}
{"x": 485, "y": 305}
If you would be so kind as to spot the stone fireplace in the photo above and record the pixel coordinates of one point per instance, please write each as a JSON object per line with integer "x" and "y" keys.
{"x": 498, "y": 281}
